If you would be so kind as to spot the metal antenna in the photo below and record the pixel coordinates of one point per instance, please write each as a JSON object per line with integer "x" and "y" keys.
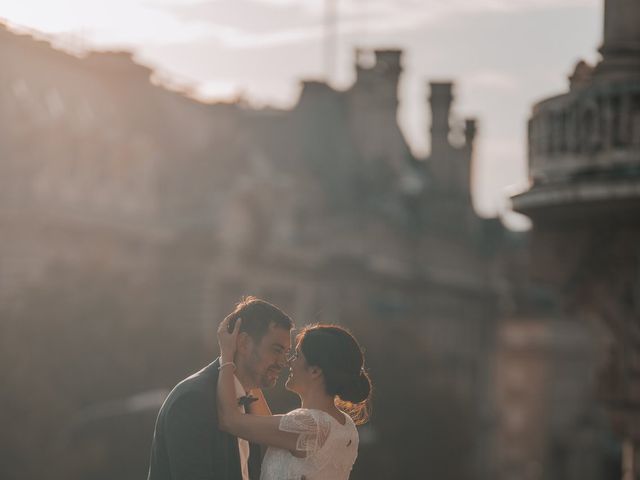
{"x": 330, "y": 37}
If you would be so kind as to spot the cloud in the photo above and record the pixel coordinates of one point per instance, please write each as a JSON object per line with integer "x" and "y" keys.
{"x": 237, "y": 38}
{"x": 265, "y": 23}
{"x": 436, "y": 8}
{"x": 493, "y": 79}
{"x": 497, "y": 174}
{"x": 121, "y": 22}
{"x": 241, "y": 24}
{"x": 259, "y": 24}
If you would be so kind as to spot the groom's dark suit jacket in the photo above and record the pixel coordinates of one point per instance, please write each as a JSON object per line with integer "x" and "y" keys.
{"x": 187, "y": 444}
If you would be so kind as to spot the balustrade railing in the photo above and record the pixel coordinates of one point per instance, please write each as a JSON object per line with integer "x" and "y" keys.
{"x": 590, "y": 130}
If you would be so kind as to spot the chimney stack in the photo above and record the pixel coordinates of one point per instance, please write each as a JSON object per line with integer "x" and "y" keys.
{"x": 440, "y": 100}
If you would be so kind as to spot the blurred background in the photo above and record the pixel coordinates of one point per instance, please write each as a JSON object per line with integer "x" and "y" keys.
{"x": 458, "y": 183}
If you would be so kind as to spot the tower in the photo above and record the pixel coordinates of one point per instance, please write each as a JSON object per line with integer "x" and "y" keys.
{"x": 584, "y": 200}
{"x": 621, "y": 44}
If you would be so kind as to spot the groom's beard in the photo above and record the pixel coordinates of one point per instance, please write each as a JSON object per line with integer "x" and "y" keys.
{"x": 269, "y": 378}
{"x": 266, "y": 377}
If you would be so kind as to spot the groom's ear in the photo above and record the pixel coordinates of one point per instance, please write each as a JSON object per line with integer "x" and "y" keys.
{"x": 244, "y": 342}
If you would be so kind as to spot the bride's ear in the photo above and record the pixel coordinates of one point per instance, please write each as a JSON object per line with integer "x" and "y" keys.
{"x": 315, "y": 372}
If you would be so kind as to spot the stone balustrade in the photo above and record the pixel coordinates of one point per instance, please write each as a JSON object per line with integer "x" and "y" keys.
{"x": 593, "y": 130}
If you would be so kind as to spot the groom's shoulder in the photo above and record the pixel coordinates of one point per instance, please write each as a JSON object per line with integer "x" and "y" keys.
{"x": 200, "y": 384}
{"x": 204, "y": 379}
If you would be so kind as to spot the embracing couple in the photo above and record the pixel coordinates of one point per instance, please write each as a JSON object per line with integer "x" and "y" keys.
{"x": 213, "y": 424}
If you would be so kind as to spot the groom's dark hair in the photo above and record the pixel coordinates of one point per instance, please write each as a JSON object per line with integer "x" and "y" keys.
{"x": 257, "y": 316}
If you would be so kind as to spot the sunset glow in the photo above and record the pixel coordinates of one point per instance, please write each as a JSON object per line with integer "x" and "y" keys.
{"x": 262, "y": 48}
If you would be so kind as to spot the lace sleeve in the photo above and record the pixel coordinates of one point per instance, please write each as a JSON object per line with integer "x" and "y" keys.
{"x": 312, "y": 428}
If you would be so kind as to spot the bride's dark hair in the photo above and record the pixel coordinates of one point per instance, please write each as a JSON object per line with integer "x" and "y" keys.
{"x": 334, "y": 350}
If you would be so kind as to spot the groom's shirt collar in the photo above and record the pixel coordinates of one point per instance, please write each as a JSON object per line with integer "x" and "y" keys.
{"x": 243, "y": 445}
{"x": 240, "y": 391}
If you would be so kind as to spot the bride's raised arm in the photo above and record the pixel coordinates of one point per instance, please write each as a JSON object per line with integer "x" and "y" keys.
{"x": 262, "y": 427}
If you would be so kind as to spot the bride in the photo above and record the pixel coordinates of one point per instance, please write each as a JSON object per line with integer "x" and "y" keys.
{"x": 318, "y": 441}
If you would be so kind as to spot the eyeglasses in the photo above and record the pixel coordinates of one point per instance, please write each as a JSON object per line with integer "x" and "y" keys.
{"x": 292, "y": 356}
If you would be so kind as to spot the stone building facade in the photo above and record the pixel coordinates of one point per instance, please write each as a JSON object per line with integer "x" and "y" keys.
{"x": 584, "y": 200}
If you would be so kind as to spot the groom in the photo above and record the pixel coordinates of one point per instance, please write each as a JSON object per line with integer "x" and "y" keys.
{"x": 187, "y": 444}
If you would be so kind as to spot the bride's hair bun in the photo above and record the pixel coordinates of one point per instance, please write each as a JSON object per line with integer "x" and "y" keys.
{"x": 357, "y": 390}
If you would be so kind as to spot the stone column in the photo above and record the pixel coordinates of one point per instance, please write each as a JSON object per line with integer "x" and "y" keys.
{"x": 621, "y": 25}
{"x": 624, "y": 121}
{"x": 621, "y": 46}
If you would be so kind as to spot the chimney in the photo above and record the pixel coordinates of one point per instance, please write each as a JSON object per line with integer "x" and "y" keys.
{"x": 389, "y": 61}
{"x": 470, "y": 130}
{"x": 440, "y": 99}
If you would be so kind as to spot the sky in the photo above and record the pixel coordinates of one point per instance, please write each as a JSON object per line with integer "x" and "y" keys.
{"x": 502, "y": 55}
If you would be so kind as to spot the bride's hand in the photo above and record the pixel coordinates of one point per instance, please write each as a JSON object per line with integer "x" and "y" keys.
{"x": 227, "y": 340}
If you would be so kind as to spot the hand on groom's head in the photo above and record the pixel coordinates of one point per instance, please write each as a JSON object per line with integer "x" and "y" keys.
{"x": 232, "y": 324}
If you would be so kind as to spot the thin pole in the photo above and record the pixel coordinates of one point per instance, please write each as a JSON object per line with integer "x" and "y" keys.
{"x": 330, "y": 37}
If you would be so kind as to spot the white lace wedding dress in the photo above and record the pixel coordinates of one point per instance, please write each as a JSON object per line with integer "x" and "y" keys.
{"x": 331, "y": 448}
